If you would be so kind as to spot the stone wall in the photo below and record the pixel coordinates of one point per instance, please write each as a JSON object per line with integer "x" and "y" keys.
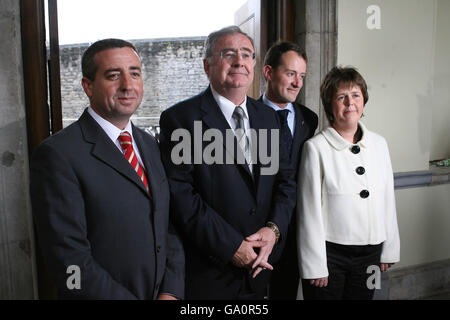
{"x": 17, "y": 264}
{"x": 172, "y": 72}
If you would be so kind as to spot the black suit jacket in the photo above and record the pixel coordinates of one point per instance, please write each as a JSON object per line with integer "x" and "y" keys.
{"x": 216, "y": 206}
{"x": 285, "y": 276}
{"x": 92, "y": 210}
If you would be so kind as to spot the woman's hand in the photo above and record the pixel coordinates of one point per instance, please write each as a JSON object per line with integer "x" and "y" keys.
{"x": 320, "y": 282}
{"x": 385, "y": 266}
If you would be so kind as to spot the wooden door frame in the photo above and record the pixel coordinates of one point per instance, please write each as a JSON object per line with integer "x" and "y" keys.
{"x": 43, "y": 118}
{"x": 39, "y": 122}
{"x": 34, "y": 55}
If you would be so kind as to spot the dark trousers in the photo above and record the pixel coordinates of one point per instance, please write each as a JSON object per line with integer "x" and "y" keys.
{"x": 347, "y": 268}
{"x": 285, "y": 275}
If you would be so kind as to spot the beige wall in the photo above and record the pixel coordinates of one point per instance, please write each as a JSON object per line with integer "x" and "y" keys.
{"x": 406, "y": 65}
{"x": 440, "y": 147}
{"x": 424, "y": 224}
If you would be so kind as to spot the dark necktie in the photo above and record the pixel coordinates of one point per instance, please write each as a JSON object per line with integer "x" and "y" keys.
{"x": 127, "y": 146}
{"x": 238, "y": 116}
{"x": 285, "y": 132}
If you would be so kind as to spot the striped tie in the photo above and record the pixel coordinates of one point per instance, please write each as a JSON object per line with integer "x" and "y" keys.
{"x": 244, "y": 143}
{"x": 127, "y": 147}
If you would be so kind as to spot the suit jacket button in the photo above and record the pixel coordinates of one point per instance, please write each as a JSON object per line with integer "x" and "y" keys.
{"x": 253, "y": 212}
{"x": 356, "y": 149}
{"x": 364, "y": 194}
{"x": 158, "y": 249}
{"x": 360, "y": 170}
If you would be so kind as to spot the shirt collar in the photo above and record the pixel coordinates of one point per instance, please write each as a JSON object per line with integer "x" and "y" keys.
{"x": 289, "y": 106}
{"x": 339, "y": 143}
{"x": 227, "y": 106}
{"x": 111, "y": 130}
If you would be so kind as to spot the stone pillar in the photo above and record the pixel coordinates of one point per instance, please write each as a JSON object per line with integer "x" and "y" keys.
{"x": 316, "y": 31}
{"x": 17, "y": 263}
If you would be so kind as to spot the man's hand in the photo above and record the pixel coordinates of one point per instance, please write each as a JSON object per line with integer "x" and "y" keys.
{"x": 246, "y": 255}
{"x": 266, "y": 236}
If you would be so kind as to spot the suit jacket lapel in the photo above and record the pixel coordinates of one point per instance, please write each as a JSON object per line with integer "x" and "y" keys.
{"x": 212, "y": 115}
{"x": 299, "y": 132}
{"x": 105, "y": 150}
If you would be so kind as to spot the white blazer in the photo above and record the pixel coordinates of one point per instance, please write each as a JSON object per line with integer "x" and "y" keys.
{"x": 340, "y": 202}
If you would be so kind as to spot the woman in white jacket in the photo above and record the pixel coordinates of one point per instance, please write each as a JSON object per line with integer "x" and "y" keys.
{"x": 346, "y": 205}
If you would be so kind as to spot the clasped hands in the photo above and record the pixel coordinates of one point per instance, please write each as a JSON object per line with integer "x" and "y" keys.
{"x": 246, "y": 256}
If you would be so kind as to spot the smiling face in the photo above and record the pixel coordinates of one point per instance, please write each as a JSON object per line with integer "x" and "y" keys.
{"x": 285, "y": 81}
{"x": 231, "y": 72}
{"x": 347, "y": 107}
{"x": 117, "y": 89}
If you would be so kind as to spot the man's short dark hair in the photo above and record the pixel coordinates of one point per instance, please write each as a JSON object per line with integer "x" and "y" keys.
{"x": 88, "y": 66}
{"x": 336, "y": 78}
{"x": 276, "y": 51}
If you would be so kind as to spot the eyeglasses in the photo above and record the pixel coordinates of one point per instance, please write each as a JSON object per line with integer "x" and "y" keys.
{"x": 231, "y": 54}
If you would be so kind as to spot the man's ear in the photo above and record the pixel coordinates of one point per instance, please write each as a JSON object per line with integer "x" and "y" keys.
{"x": 206, "y": 66}
{"x": 268, "y": 72}
{"x": 87, "y": 86}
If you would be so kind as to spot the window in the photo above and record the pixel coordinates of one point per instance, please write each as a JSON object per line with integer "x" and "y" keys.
{"x": 169, "y": 36}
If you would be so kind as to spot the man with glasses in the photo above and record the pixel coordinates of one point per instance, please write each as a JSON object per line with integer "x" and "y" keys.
{"x": 231, "y": 215}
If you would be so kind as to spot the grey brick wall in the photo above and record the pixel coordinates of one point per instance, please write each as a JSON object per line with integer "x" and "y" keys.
{"x": 172, "y": 71}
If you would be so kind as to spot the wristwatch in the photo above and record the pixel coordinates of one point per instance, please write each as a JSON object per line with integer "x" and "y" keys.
{"x": 272, "y": 226}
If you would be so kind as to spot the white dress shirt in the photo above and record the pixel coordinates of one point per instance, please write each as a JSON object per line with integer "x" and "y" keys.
{"x": 289, "y": 107}
{"x": 227, "y": 107}
{"x": 330, "y": 206}
{"x": 113, "y": 133}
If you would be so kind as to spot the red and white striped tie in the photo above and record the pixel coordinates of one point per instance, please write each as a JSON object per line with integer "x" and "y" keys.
{"x": 127, "y": 146}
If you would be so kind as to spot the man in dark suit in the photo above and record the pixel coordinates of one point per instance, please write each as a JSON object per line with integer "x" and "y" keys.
{"x": 230, "y": 213}
{"x": 100, "y": 195}
{"x": 284, "y": 70}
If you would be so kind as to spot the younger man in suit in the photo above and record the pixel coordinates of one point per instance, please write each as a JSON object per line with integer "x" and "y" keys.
{"x": 284, "y": 70}
{"x": 100, "y": 195}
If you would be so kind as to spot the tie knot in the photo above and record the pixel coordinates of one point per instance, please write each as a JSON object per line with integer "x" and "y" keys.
{"x": 283, "y": 114}
{"x": 125, "y": 140}
{"x": 238, "y": 113}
